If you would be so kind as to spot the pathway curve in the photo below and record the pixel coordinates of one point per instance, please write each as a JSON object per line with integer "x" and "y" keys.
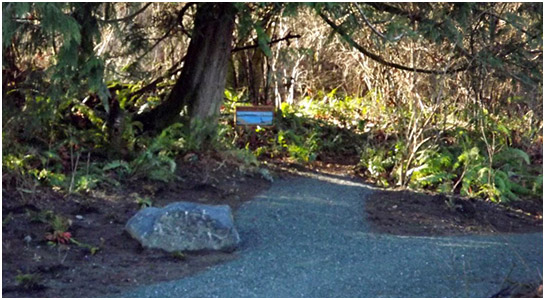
{"x": 307, "y": 237}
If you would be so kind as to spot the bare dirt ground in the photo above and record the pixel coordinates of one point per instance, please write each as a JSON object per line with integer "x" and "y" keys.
{"x": 98, "y": 219}
{"x": 413, "y": 213}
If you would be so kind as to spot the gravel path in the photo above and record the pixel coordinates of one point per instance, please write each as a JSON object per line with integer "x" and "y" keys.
{"x": 307, "y": 237}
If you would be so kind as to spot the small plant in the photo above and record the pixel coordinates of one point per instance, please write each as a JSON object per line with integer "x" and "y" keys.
{"x": 144, "y": 202}
{"x": 28, "y": 281}
{"x": 121, "y": 168}
{"x": 179, "y": 255}
{"x": 432, "y": 170}
{"x": 59, "y": 223}
{"x": 377, "y": 164}
{"x": 157, "y": 161}
{"x": 59, "y": 226}
{"x": 58, "y": 237}
{"x": 59, "y": 234}
{"x": 59, "y": 231}
{"x": 92, "y": 249}
{"x": 65, "y": 238}
{"x": 42, "y": 216}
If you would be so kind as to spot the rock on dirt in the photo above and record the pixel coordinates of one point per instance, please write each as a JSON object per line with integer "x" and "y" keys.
{"x": 185, "y": 226}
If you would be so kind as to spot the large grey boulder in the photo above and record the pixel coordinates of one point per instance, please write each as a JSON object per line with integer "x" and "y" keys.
{"x": 185, "y": 226}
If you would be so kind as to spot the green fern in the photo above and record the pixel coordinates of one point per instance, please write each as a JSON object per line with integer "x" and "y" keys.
{"x": 433, "y": 170}
{"x": 511, "y": 158}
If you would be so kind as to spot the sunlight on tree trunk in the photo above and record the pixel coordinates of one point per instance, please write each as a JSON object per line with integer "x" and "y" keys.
{"x": 199, "y": 89}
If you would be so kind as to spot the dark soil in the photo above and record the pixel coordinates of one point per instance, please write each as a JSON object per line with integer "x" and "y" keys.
{"x": 411, "y": 213}
{"x": 121, "y": 263}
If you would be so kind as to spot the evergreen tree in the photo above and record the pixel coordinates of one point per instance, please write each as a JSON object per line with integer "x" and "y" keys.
{"x": 486, "y": 39}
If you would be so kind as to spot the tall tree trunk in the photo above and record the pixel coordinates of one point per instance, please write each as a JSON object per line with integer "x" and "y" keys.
{"x": 198, "y": 91}
{"x": 255, "y": 78}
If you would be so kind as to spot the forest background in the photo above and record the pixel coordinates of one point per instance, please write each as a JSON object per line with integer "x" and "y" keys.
{"x": 445, "y": 97}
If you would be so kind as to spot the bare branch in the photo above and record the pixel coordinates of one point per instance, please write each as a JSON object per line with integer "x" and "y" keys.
{"x": 127, "y": 17}
{"x": 394, "y": 10}
{"x": 517, "y": 26}
{"x": 152, "y": 85}
{"x": 181, "y": 15}
{"x": 167, "y": 33}
{"x": 381, "y": 60}
{"x": 397, "y": 38}
{"x": 159, "y": 40}
{"x": 287, "y": 37}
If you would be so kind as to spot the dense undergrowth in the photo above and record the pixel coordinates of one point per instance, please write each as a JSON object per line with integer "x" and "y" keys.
{"x": 70, "y": 145}
{"x": 486, "y": 156}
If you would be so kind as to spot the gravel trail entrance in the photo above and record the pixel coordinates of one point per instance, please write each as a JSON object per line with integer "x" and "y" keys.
{"x": 308, "y": 237}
